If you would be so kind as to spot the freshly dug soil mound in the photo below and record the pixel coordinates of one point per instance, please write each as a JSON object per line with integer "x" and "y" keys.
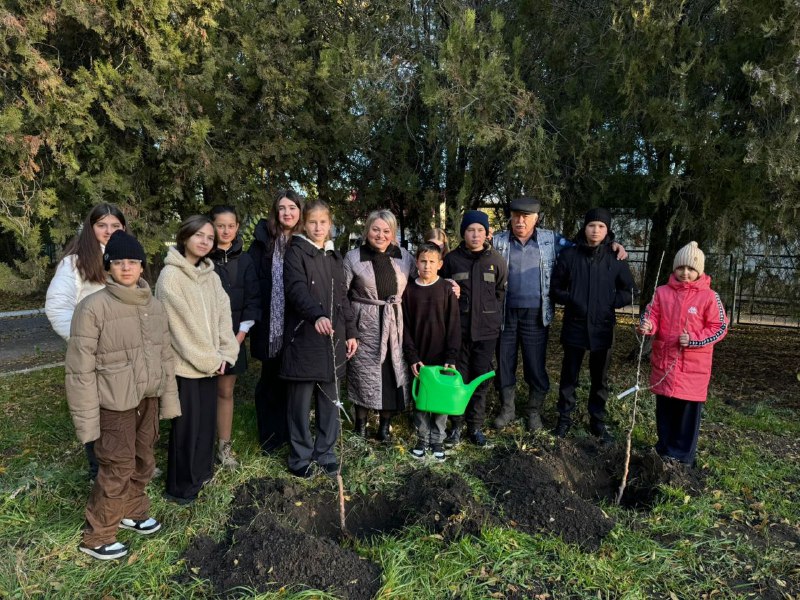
{"x": 647, "y": 473}
{"x": 554, "y": 489}
{"x": 266, "y": 556}
{"x": 594, "y": 471}
{"x": 442, "y": 504}
{"x": 534, "y": 500}
{"x": 285, "y": 533}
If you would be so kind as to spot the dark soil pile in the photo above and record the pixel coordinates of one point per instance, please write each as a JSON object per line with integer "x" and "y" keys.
{"x": 265, "y": 556}
{"x": 284, "y": 533}
{"x": 443, "y": 505}
{"x": 534, "y": 500}
{"x": 287, "y": 533}
{"x": 554, "y": 490}
{"x": 594, "y": 471}
{"x": 647, "y": 473}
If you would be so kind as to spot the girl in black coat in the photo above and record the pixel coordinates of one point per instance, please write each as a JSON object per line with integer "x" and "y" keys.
{"x": 319, "y": 336}
{"x": 238, "y": 276}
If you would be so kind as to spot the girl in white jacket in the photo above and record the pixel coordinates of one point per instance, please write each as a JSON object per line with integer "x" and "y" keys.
{"x": 79, "y": 274}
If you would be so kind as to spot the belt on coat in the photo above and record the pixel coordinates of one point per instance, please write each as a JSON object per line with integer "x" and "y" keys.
{"x": 389, "y": 319}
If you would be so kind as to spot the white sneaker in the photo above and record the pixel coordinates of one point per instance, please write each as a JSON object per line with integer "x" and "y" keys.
{"x": 143, "y": 526}
{"x": 226, "y": 456}
{"x": 106, "y": 551}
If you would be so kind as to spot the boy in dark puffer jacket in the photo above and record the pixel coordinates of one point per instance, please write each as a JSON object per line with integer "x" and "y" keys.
{"x": 591, "y": 283}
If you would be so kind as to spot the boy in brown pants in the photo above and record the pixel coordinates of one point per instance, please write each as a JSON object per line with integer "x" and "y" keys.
{"x": 119, "y": 364}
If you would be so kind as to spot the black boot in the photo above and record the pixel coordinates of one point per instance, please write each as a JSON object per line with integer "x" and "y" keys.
{"x": 384, "y": 435}
{"x": 507, "y": 408}
{"x": 360, "y": 427}
{"x": 600, "y": 430}
{"x": 453, "y": 438}
{"x": 535, "y": 401}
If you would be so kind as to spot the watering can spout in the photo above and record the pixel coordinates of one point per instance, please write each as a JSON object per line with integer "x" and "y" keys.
{"x": 473, "y": 385}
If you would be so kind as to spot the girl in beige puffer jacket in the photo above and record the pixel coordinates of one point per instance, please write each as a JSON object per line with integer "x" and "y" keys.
{"x": 119, "y": 376}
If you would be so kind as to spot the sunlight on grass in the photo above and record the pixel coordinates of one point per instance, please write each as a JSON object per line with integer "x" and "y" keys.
{"x": 687, "y": 544}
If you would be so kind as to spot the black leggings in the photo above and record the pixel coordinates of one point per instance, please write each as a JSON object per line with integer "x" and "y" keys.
{"x": 362, "y": 413}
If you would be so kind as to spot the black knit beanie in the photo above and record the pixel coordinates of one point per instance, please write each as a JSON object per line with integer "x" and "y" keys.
{"x": 474, "y": 216}
{"x": 121, "y": 245}
{"x": 598, "y": 214}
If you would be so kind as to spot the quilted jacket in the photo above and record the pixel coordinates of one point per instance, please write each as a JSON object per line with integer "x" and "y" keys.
{"x": 119, "y": 353}
{"x": 379, "y": 324}
{"x": 693, "y": 306}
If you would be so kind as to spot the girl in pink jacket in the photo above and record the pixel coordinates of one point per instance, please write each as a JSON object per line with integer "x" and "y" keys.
{"x": 686, "y": 318}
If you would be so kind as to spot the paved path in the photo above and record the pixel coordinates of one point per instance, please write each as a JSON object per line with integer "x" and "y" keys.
{"x": 27, "y": 342}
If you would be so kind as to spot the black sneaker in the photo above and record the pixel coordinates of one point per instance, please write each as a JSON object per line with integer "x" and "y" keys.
{"x": 418, "y": 451}
{"x": 437, "y": 451}
{"x": 302, "y": 472}
{"x": 141, "y": 526}
{"x": 179, "y": 501}
{"x": 331, "y": 469}
{"x": 453, "y": 440}
{"x": 600, "y": 431}
{"x": 106, "y": 551}
{"x": 562, "y": 428}
{"x": 476, "y": 437}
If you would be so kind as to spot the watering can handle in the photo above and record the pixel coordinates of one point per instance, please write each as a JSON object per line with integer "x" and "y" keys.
{"x": 415, "y": 388}
{"x": 448, "y": 370}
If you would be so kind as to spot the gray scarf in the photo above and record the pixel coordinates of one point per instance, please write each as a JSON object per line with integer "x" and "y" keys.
{"x": 277, "y": 302}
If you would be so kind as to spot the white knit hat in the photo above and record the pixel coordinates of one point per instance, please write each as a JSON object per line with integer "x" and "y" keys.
{"x": 690, "y": 256}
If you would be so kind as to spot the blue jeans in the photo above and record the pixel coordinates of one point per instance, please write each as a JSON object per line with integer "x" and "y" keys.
{"x": 523, "y": 327}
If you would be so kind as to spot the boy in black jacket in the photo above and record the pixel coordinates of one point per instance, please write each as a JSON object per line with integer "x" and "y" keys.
{"x": 590, "y": 282}
{"x": 482, "y": 274}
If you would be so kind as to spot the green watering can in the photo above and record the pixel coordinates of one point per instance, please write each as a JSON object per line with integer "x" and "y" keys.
{"x": 442, "y": 391}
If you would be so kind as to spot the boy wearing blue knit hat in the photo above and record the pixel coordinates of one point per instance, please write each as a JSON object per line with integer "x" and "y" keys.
{"x": 482, "y": 275}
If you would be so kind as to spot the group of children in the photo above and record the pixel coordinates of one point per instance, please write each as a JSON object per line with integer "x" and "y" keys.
{"x": 133, "y": 358}
{"x": 685, "y": 317}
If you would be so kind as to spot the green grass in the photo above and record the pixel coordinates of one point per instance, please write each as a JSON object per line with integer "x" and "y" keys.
{"x": 688, "y": 546}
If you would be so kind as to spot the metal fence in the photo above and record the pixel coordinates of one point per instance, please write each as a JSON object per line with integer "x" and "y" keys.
{"x": 757, "y": 289}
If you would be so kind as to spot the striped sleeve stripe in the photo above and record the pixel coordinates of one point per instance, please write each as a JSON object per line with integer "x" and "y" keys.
{"x": 720, "y": 332}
